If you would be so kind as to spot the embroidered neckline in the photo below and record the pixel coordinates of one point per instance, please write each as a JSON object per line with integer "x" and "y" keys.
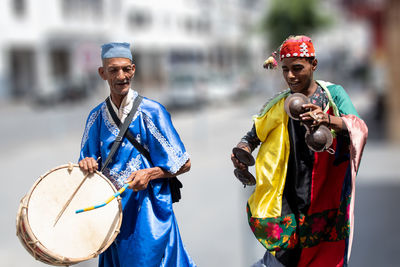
{"x": 109, "y": 122}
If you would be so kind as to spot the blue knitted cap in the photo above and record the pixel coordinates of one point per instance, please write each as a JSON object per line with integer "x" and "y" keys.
{"x": 111, "y": 50}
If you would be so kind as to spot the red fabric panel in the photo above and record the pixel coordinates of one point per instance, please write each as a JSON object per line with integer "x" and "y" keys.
{"x": 327, "y": 182}
{"x": 326, "y": 190}
{"x": 326, "y": 254}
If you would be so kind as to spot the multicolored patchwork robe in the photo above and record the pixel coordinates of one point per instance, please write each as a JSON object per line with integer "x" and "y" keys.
{"x": 323, "y": 229}
{"x": 149, "y": 234}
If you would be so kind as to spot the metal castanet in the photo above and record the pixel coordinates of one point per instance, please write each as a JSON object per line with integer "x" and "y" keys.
{"x": 294, "y": 105}
{"x": 243, "y": 156}
{"x": 244, "y": 176}
{"x": 318, "y": 138}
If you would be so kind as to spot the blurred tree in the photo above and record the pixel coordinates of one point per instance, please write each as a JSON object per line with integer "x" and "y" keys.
{"x": 292, "y": 17}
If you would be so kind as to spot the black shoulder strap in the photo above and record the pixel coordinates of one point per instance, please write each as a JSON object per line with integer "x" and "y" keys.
{"x": 175, "y": 184}
{"x": 122, "y": 127}
{"x": 128, "y": 134}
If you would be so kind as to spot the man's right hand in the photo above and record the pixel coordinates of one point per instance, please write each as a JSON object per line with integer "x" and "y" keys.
{"x": 88, "y": 164}
{"x": 236, "y": 163}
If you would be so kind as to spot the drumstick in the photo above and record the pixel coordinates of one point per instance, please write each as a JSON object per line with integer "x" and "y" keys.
{"x": 105, "y": 202}
{"x": 71, "y": 197}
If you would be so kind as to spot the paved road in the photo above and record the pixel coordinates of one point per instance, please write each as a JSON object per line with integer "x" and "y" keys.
{"x": 212, "y": 215}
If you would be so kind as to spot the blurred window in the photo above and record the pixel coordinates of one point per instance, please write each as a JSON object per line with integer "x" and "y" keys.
{"x": 82, "y": 9}
{"x": 19, "y": 7}
{"x": 22, "y": 72}
{"x": 197, "y": 25}
{"x": 149, "y": 69}
{"x": 189, "y": 24}
{"x": 182, "y": 56}
{"x": 139, "y": 19}
{"x": 204, "y": 3}
{"x": 60, "y": 63}
{"x": 249, "y": 3}
{"x": 205, "y": 25}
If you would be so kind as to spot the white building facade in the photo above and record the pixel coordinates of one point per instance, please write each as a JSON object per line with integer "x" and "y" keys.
{"x": 51, "y": 48}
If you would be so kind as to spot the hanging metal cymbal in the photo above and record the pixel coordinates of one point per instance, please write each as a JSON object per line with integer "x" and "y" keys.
{"x": 294, "y": 105}
{"x": 243, "y": 156}
{"x": 245, "y": 177}
{"x": 319, "y": 139}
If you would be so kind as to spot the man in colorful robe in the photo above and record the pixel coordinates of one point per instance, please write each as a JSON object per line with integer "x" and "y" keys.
{"x": 302, "y": 207}
{"x": 149, "y": 234}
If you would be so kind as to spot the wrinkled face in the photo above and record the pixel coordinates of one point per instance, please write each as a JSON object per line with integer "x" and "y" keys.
{"x": 118, "y": 72}
{"x": 298, "y": 73}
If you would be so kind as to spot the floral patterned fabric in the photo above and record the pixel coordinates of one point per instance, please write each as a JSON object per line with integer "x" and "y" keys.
{"x": 284, "y": 233}
{"x": 319, "y": 98}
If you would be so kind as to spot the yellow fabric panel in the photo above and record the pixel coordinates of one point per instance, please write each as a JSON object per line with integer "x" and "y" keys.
{"x": 271, "y": 162}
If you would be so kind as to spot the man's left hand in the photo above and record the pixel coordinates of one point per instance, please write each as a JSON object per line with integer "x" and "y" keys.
{"x": 316, "y": 115}
{"x": 139, "y": 179}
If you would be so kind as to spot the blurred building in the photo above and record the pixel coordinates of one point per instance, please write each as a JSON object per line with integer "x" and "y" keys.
{"x": 50, "y": 51}
{"x": 383, "y": 16}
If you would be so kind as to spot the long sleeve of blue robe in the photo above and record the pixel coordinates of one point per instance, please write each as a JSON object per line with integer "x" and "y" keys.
{"x": 149, "y": 234}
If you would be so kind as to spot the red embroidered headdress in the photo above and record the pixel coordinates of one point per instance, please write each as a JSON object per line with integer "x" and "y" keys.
{"x": 294, "y": 46}
{"x": 299, "y": 46}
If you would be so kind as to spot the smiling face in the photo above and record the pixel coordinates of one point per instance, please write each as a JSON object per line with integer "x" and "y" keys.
{"x": 118, "y": 72}
{"x": 298, "y": 73}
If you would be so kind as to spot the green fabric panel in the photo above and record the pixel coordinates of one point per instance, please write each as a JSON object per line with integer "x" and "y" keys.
{"x": 328, "y": 94}
{"x": 342, "y": 100}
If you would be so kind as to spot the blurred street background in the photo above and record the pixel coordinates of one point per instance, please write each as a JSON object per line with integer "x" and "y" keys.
{"x": 203, "y": 60}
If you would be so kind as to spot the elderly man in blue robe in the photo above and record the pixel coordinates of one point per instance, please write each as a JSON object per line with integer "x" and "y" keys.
{"x": 149, "y": 234}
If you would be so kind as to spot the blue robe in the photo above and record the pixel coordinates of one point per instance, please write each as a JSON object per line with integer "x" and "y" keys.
{"x": 149, "y": 234}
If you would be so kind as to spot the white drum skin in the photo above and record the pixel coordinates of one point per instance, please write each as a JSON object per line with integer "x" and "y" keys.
{"x": 75, "y": 237}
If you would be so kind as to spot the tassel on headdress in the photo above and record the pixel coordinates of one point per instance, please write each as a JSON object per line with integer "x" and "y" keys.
{"x": 271, "y": 62}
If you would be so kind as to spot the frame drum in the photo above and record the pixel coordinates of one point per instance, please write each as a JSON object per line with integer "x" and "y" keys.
{"x": 74, "y": 237}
